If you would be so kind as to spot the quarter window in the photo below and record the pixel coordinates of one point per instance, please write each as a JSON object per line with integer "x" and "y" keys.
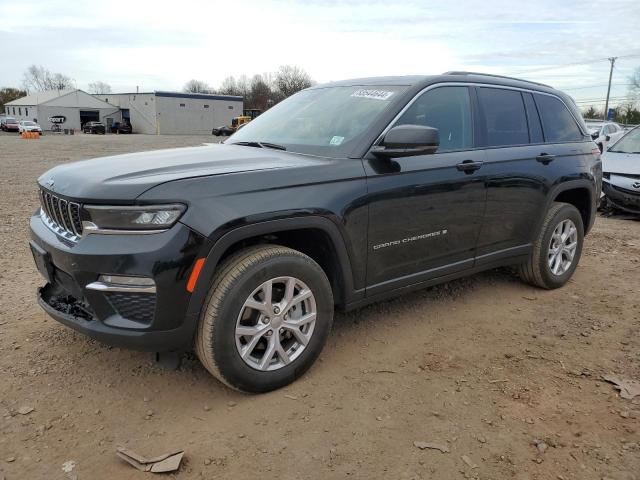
{"x": 504, "y": 117}
{"x": 449, "y": 110}
{"x": 558, "y": 124}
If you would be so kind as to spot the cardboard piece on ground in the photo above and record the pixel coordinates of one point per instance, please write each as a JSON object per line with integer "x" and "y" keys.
{"x": 628, "y": 388}
{"x": 169, "y": 462}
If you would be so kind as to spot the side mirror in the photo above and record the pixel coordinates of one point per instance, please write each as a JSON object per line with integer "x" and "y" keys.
{"x": 607, "y": 138}
{"x": 407, "y": 141}
{"x": 595, "y": 135}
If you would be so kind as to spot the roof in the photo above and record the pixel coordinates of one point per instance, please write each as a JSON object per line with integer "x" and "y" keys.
{"x": 421, "y": 81}
{"x": 62, "y": 98}
{"x": 162, "y": 93}
{"x": 37, "y": 98}
{"x": 202, "y": 96}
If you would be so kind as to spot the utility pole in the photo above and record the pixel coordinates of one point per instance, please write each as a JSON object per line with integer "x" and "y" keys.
{"x": 606, "y": 105}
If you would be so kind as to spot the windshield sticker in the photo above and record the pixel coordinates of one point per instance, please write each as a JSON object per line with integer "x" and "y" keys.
{"x": 375, "y": 94}
{"x": 336, "y": 140}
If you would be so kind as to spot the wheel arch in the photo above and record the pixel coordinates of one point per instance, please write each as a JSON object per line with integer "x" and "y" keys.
{"x": 580, "y": 194}
{"x": 317, "y": 237}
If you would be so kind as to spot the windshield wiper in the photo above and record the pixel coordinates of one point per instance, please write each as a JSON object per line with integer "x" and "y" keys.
{"x": 275, "y": 146}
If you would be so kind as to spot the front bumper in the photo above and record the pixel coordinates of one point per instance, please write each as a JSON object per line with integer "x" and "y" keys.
{"x": 143, "y": 321}
{"x": 622, "y": 198}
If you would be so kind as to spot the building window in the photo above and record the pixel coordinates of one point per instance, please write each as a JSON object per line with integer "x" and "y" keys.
{"x": 182, "y": 105}
{"x": 230, "y": 107}
{"x": 20, "y": 111}
{"x": 206, "y": 106}
{"x": 26, "y": 112}
{"x": 14, "y": 110}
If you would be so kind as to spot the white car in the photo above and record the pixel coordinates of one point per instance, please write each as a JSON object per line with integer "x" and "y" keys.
{"x": 605, "y": 133}
{"x": 621, "y": 173}
{"x": 29, "y": 126}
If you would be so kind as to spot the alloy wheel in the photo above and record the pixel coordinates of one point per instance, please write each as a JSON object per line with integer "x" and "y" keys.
{"x": 275, "y": 323}
{"x": 562, "y": 247}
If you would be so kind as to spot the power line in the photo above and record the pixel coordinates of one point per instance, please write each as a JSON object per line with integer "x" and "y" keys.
{"x": 575, "y": 64}
{"x": 600, "y": 85}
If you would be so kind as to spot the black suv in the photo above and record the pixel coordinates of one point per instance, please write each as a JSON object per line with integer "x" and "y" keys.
{"x": 341, "y": 195}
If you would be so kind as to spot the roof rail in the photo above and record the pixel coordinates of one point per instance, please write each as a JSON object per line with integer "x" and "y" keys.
{"x": 457, "y": 72}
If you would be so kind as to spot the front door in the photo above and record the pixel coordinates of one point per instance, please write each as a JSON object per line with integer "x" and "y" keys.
{"x": 425, "y": 212}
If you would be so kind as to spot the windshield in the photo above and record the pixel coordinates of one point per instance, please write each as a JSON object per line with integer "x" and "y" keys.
{"x": 28, "y": 124}
{"x": 322, "y": 121}
{"x": 630, "y": 143}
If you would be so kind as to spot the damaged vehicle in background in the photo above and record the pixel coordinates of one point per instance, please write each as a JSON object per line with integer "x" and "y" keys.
{"x": 621, "y": 174}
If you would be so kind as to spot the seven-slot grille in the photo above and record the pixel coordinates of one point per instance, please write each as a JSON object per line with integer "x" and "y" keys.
{"x": 64, "y": 216}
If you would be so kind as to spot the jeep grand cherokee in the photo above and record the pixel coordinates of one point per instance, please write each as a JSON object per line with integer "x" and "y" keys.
{"x": 341, "y": 195}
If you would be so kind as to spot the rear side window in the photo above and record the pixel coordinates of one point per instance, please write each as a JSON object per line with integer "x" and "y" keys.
{"x": 533, "y": 118}
{"x": 449, "y": 110}
{"x": 504, "y": 117}
{"x": 558, "y": 124}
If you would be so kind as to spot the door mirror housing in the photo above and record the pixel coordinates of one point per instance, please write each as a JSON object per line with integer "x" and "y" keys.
{"x": 407, "y": 141}
{"x": 595, "y": 135}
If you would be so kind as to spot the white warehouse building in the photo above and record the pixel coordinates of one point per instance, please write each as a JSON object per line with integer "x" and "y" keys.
{"x": 162, "y": 112}
{"x": 68, "y": 108}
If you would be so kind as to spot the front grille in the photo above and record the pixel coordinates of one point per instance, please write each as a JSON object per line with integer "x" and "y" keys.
{"x": 61, "y": 215}
{"x": 138, "y": 307}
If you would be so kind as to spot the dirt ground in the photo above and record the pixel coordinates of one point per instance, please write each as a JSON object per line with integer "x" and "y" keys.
{"x": 505, "y": 376}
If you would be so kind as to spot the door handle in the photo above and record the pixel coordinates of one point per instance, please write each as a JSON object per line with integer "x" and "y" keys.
{"x": 469, "y": 166}
{"x": 545, "y": 158}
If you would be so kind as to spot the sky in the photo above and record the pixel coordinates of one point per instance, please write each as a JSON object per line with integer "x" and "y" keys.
{"x": 160, "y": 45}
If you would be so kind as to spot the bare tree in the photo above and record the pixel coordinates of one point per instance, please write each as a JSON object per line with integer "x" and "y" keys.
{"x": 197, "y": 86}
{"x": 9, "y": 94}
{"x": 99, "y": 87}
{"x": 229, "y": 86}
{"x": 290, "y": 79}
{"x": 37, "y": 78}
{"x": 259, "y": 93}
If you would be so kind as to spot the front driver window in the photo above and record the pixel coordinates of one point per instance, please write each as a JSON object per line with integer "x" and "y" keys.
{"x": 449, "y": 110}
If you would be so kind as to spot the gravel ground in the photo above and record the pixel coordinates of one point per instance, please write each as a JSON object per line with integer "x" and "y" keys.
{"x": 505, "y": 377}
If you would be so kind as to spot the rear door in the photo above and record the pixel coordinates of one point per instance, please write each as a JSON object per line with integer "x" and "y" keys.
{"x": 516, "y": 188}
{"x": 425, "y": 211}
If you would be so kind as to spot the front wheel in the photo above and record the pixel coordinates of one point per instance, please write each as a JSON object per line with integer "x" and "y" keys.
{"x": 557, "y": 249}
{"x": 266, "y": 319}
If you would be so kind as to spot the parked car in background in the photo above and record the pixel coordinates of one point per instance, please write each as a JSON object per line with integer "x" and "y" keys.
{"x": 121, "y": 127}
{"x": 9, "y": 124}
{"x": 621, "y": 173}
{"x": 94, "y": 127}
{"x": 236, "y": 124}
{"x": 29, "y": 126}
{"x": 605, "y": 133}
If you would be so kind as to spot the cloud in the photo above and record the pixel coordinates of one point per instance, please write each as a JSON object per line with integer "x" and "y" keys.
{"x": 161, "y": 46}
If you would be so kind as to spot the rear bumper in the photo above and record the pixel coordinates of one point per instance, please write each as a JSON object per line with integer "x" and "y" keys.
{"x": 622, "y": 198}
{"x": 155, "y": 321}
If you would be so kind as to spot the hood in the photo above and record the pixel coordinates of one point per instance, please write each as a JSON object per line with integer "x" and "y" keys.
{"x": 625, "y": 163}
{"x": 123, "y": 178}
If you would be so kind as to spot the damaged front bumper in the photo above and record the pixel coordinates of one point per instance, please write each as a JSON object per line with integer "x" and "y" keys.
{"x": 78, "y": 294}
{"x": 622, "y": 198}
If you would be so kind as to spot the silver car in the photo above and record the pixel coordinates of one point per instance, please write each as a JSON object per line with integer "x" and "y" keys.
{"x": 621, "y": 173}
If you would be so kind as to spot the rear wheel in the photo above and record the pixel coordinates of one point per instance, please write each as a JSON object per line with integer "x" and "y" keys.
{"x": 557, "y": 250}
{"x": 266, "y": 320}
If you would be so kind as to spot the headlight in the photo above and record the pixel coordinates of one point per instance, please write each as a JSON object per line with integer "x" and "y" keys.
{"x": 106, "y": 219}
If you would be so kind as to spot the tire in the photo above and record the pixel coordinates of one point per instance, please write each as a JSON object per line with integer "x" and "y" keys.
{"x": 536, "y": 270}
{"x": 241, "y": 278}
